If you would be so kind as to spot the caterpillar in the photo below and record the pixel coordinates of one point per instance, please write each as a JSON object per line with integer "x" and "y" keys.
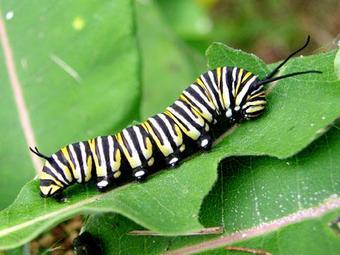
{"x": 217, "y": 99}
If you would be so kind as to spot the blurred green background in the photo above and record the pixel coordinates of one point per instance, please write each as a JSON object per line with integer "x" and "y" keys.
{"x": 268, "y": 28}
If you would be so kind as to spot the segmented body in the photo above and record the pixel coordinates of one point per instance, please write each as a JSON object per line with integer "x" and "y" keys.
{"x": 163, "y": 140}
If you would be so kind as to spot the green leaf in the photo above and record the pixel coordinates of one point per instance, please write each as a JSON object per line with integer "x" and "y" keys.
{"x": 155, "y": 204}
{"x": 78, "y": 69}
{"x": 222, "y": 55}
{"x": 265, "y": 203}
{"x": 168, "y": 65}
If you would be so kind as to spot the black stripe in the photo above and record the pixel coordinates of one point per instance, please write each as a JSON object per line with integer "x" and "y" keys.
{"x": 65, "y": 162}
{"x": 174, "y": 117}
{"x": 212, "y": 88}
{"x": 196, "y": 107}
{"x": 184, "y": 115}
{"x": 173, "y": 124}
{"x": 135, "y": 142}
{"x": 203, "y": 90}
{"x": 71, "y": 156}
{"x": 89, "y": 153}
{"x": 145, "y": 135}
{"x": 116, "y": 147}
{"x": 97, "y": 151}
{"x": 77, "y": 150}
{"x": 49, "y": 172}
{"x": 192, "y": 104}
{"x": 229, "y": 79}
{"x": 203, "y": 101}
{"x": 58, "y": 169}
{"x": 126, "y": 144}
{"x": 255, "y": 114}
{"x": 74, "y": 160}
{"x": 190, "y": 109}
{"x": 47, "y": 182}
{"x": 244, "y": 99}
{"x": 106, "y": 151}
{"x": 154, "y": 129}
{"x": 260, "y": 98}
{"x": 165, "y": 129}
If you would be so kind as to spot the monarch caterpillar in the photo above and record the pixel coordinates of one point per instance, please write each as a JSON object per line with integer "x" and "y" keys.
{"x": 218, "y": 98}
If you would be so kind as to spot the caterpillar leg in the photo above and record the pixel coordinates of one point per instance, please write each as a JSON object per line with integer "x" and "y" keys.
{"x": 205, "y": 142}
{"x": 103, "y": 184}
{"x": 140, "y": 174}
{"x": 58, "y": 196}
{"x": 172, "y": 160}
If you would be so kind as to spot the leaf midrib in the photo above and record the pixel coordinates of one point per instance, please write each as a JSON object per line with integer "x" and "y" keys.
{"x": 328, "y": 205}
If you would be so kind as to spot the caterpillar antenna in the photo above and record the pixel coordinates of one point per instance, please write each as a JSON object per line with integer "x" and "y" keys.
{"x": 38, "y": 153}
{"x": 286, "y": 76}
{"x": 272, "y": 73}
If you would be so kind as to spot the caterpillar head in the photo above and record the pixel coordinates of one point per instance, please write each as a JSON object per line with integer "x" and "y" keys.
{"x": 49, "y": 183}
{"x": 49, "y": 186}
{"x": 255, "y": 101}
{"x": 254, "y": 105}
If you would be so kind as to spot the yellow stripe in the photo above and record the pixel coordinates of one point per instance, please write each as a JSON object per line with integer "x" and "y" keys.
{"x": 148, "y": 144}
{"x": 133, "y": 162}
{"x": 122, "y": 145}
{"x": 99, "y": 170}
{"x": 246, "y": 76}
{"x": 68, "y": 158}
{"x": 193, "y": 110}
{"x": 260, "y": 94}
{"x": 88, "y": 175}
{"x": 148, "y": 147}
{"x": 188, "y": 132}
{"x": 118, "y": 157}
{"x": 43, "y": 175}
{"x": 175, "y": 119}
{"x": 46, "y": 189}
{"x": 197, "y": 110}
{"x": 254, "y": 109}
{"x": 218, "y": 74}
{"x": 162, "y": 148}
{"x": 201, "y": 83}
{"x": 66, "y": 170}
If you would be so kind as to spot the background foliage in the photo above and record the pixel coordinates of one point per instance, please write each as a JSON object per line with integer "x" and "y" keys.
{"x": 129, "y": 60}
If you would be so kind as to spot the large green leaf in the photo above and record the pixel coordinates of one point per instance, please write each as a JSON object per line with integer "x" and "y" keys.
{"x": 77, "y": 64}
{"x": 156, "y": 204}
{"x": 286, "y": 205}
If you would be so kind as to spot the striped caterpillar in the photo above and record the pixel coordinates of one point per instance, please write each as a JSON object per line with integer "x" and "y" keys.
{"x": 218, "y": 98}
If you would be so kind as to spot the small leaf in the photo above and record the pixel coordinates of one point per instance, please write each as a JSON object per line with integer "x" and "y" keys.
{"x": 220, "y": 54}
